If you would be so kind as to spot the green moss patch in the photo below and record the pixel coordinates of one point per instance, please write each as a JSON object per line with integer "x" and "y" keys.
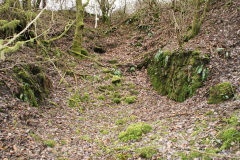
{"x": 116, "y": 100}
{"x": 229, "y": 136}
{"x": 135, "y": 132}
{"x": 120, "y": 122}
{"x": 130, "y": 100}
{"x": 116, "y": 79}
{"x": 178, "y": 74}
{"x": 220, "y": 93}
{"x": 147, "y": 152}
{"x": 33, "y": 84}
{"x": 49, "y": 143}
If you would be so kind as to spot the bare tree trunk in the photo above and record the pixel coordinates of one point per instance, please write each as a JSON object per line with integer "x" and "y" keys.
{"x": 44, "y": 3}
{"x": 195, "y": 23}
{"x": 37, "y": 4}
{"x": 125, "y": 7}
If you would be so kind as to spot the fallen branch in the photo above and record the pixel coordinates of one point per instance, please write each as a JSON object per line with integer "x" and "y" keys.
{"x": 80, "y": 54}
{"x": 67, "y": 27}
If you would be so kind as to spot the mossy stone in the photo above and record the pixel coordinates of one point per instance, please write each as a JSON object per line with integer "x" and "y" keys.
{"x": 220, "y": 93}
{"x": 33, "y": 84}
{"x": 178, "y": 74}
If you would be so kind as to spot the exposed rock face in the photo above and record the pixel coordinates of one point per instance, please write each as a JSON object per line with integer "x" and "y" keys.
{"x": 179, "y": 74}
{"x": 33, "y": 84}
{"x": 220, "y": 93}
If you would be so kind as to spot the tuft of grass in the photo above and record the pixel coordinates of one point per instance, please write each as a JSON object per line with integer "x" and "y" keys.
{"x": 147, "y": 152}
{"x": 49, "y": 143}
{"x": 135, "y": 132}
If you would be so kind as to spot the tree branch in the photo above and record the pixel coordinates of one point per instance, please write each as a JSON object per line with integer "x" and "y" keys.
{"x": 85, "y": 4}
{"x": 24, "y": 30}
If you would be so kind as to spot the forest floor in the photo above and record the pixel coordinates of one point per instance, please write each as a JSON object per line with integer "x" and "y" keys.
{"x": 86, "y": 111}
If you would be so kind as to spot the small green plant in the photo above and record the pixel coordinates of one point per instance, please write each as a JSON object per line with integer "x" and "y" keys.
{"x": 101, "y": 97}
{"x": 120, "y": 122}
{"x": 63, "y": 142}
{"x": 85, "y": 97}
{"x": 130, "y": 100}
{"x": 121, "y": 156}
{"x": 158, "y": 55}
{"x": 116, "y": 100}
{"x": 114, "y": 61}
{"x": 82, "y": 118}
{"x": 116, "y": 79}
{"x": 85, "y": 138}
{"x": 49, "y": 143}
{"x": 134, "y": 92}
{"x": 104, "y": 131}
{"x": 78, "y": 131}
{"x": 229, "y": 136}
{"x": 132, "y": 69}
{"x": 209, "y": 113}
{"x": 147, "y": 152}
{"x": 191, "y": 155}
{"x": 106, "y": 87}
{"x": 74, "y": 100}
{"x": 106, "y": 70}
{"x": 35, "y": 136}
{"x": 135, "y": 132}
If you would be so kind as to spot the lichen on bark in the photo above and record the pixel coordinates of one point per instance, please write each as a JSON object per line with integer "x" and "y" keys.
{"x": 178, "y": 74}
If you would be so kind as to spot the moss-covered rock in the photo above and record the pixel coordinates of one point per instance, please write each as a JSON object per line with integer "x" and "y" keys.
{"x": 33, "y": 84}
{"x": 220, "y": 93}
{"x": 178, "y": 74}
